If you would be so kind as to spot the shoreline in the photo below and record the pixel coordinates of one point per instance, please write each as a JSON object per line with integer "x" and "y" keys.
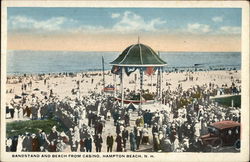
{"x": 166, "y": 70}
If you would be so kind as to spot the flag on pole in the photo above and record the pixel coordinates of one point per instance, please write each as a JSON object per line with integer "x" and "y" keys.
{"x": 149, "y": 71}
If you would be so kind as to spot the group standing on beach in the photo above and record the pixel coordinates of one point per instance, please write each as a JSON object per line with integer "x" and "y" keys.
{"x": 177, "y": 128}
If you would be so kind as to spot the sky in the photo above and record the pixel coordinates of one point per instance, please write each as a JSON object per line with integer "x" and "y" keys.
{"x": 113, "y": 29}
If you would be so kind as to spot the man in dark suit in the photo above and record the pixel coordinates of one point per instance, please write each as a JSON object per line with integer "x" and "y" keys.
{"x": 124, "y": 137}
{"x": 88, "y": 144}
{"x": 118, "y": 140}
{"x": 27, "y": 143}
{"x": 127, "y": 119}
{"x": 155, "y": 128}
{"x": 98, "y": 127}
{"x": 98, "y": 142}
{"x": 149, "y": 116}
{"x": 110, "y": 142}
{"x": 132, "y": 140}
{"x": 14, "y": 144}
{"x": 90, "y": 118}
{"x": 138, "y": 131}
{"x": 35, "y": 143}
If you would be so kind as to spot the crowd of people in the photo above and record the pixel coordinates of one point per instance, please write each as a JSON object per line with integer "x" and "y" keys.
{"x": 97, "y": 119}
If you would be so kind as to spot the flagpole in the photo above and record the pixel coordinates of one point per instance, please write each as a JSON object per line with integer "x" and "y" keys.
{"x": 159, "y": 81}
{"x": 103, "y": 73}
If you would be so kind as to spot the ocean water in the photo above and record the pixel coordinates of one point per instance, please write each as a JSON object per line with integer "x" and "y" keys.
{"x": 38, "y": 62}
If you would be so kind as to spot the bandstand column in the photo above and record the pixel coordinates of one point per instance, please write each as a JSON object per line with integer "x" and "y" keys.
{"x": 122, "y": 86}
{"x": 158, "y": 84}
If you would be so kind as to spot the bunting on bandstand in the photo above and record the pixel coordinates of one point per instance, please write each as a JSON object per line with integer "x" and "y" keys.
{"x": 129, "y": 70}
{"x": 116, "y": 70}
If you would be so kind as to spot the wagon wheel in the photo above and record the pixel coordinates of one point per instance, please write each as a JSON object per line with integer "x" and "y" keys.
{"x": 237, "y": 145}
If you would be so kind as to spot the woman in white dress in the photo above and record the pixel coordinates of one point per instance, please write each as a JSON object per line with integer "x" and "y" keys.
{"x": 19, "y": 144}
{"x": 175, "y": 144}
{"x": 77, "y": 134}
{"x": 197, "y": 128}
{"x": 84, "y": 114}
{"x": 39, "y": 113}
{"x": 15, "y": 114}
{"x": 145, "y": 135}
{"x": 20, "y": 112}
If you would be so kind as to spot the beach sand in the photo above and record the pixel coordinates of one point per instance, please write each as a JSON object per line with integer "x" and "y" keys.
{"x": 63, "y": 85}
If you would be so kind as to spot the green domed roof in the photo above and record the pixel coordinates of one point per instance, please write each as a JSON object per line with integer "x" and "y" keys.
{"x": 138, "y": 55}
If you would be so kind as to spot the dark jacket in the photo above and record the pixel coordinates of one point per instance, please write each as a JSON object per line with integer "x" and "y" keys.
{"x": 88, "y": 143}
{"x": 27, "y": 143}
{"x": 125, "y": 134}
{"x": 35, "y": 144}
{"x": 118, "y": 140}
{"x": 98, "y": 141}
{"x": 110, "y": 140}
{"x": 155, "y": 129}
{"x": 132, "y": 137}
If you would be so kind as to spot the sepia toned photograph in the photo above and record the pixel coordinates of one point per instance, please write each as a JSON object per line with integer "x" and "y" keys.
{"x": 102, "y": 80}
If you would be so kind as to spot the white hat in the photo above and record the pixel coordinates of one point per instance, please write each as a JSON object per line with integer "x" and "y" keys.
{"x": 62, "y": 134}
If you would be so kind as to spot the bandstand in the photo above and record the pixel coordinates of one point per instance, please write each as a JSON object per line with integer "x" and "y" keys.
{"x": 142, "y": 58}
